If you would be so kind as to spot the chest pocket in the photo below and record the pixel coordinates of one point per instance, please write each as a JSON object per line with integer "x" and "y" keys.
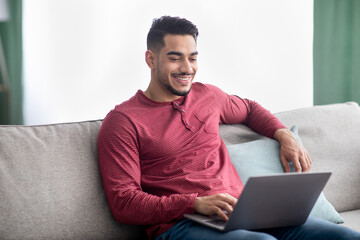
{"x": 210, "y": 119}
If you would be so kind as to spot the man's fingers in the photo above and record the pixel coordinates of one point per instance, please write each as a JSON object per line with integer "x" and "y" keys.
{"x": 216, "y": 204}
{"x": 297, "y": 165}
{"x": 226, "y": 203}
{"x": 227, "y": 198}
{"x": 308, "y": 159}
{"x": 300, "y": 160}
{"x": 292, "y": 151}
{"x": 304, "y": 163}
{"x": 286, "y": 160}
{"x": 222, "y": 214}
{"x": 225, "y": 206}
{"x": 284, "y": 163}
{"x": 304, "y": 159}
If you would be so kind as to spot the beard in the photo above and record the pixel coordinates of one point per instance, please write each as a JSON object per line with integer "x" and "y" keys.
{"x": 165, "y": 82}
{"x": 176, "y": 92}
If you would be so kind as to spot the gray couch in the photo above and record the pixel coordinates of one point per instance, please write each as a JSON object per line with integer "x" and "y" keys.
{"x": 50, "y": 186}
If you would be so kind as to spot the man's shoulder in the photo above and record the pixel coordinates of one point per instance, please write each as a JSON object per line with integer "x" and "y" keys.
{"x": 205, "y": 87}
{"x": 206, "y": 90}
{"x": 124, "y": 109}
{"x": 129, "y": 104}
{"x": 198, "y": 86}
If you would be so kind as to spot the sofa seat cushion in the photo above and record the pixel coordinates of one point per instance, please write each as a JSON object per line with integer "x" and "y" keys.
{"x": 352, "y": 219}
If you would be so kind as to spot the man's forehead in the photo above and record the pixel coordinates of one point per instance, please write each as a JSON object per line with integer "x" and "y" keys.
{"x": 184, "y": 44}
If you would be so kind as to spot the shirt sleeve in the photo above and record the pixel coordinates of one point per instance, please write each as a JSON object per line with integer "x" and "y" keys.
{"x": 235, "y": 110}
{"x": 118, "y": 153}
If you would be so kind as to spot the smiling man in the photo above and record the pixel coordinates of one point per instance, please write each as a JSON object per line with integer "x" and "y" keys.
{"x": 173, "y": 68}
{"x": 161, "y": 155}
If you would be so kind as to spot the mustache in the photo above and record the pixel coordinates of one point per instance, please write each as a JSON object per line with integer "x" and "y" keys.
{"x": 183, "y": 74}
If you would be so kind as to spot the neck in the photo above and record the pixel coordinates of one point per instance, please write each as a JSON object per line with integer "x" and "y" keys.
{"x": 156, "y": 96}
{"x": 158, "y": 92}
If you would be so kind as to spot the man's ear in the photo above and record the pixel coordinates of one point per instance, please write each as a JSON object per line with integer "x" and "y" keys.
{"x": 150, "y": 59}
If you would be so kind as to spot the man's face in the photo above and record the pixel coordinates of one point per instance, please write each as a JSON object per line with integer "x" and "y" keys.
{"x": 176, "y": 64}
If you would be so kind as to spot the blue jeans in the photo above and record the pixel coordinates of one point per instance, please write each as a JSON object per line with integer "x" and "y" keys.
{"x": 314, "y": 228}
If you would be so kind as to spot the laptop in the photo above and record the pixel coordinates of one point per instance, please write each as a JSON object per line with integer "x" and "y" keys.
{"x": 271, "y": 201}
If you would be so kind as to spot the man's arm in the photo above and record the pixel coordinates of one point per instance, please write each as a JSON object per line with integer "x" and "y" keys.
{"x": 262, "y": 121}
{"x": 238, "y": 110}
{"x": 121, "y": 175}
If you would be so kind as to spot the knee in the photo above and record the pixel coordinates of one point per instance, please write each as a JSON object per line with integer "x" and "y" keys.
{"x": 334, "y": 231}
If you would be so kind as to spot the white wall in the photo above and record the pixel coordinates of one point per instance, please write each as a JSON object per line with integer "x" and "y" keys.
{"x": 82, "y": 57}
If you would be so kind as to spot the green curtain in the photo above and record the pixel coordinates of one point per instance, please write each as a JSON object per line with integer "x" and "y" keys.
{"x": 336, "y": 51}
{"x": 11, "y": 111}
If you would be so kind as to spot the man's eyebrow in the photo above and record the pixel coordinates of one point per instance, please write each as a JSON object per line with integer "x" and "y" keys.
{"x": 175, "y": 53}
{"x": 180, "y": 53}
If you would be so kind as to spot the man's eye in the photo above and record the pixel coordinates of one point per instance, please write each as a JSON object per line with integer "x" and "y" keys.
{"x": 174, "y": 59}
{"x": 193, "y": 59}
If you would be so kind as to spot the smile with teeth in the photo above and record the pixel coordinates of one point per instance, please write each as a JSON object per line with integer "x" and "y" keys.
{"x": 183, "y": 78}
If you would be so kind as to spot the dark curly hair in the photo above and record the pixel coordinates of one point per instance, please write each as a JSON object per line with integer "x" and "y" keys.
{"x": 169, "y": 25}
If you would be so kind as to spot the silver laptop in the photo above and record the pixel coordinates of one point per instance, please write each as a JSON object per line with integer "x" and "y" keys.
{"x": 271, "y": 201}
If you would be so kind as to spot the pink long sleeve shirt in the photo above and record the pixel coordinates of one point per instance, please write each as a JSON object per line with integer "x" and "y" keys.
{"x": 157, "y": 157}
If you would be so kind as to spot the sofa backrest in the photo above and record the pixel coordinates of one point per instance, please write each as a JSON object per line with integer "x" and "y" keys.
{"x": 50, "y": 185}
{"x": 331, "y": 134}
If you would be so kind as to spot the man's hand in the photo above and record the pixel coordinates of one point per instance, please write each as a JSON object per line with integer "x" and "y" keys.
{"x": 215, "y": 204}
{"x": 292, "y": 151}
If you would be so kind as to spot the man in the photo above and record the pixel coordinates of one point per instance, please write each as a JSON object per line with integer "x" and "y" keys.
{"x": 161, "y": 155}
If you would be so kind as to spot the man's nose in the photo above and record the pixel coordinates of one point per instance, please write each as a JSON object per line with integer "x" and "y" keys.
{"x": 186, "y": 67}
